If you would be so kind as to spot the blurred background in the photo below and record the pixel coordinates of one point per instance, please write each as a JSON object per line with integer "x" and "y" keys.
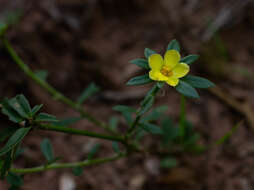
{"x": 82, "y": 41}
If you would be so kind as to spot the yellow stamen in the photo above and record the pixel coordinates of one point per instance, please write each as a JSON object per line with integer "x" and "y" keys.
{"x": 166, "y": 71}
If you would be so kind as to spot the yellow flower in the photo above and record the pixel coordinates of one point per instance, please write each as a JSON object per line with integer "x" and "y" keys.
{"x": 169, "y": 69}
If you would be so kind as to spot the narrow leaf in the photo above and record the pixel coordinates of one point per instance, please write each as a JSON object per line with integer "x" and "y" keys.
{"x": 14, "y": 179}
{"x": 24, "y": 103}
{"x": 88, "y": 92}
{"x": 148, "y": 52}
{"x": 198, "y": 82}
{"x": 36, "y": 109}
{"x": 14, "y": 140}
{"x": 142, "y": 63}
{"x": 151, "y": 128}
{"x": 140, "y": 80}
{"x": 5, "y": 133}
{"x": 189, "y": 59}
{"x": 47, "y": 150}
{"x": 115, "y": 147}
{"x": 123, "y": 108}
{"x": 113, "y": 123}
{"x": 42, "y": 74}
{"x": 186, "y": 90}
{"x": 146, "y": 105}
{"x": 77, "y": 171}
{"x": 168, "y": 163}
{"x": 174, "y": 44}
{"x": 93, "y": 151}
{"x": 155, "y": 113}
{"x": 67, "y": 121}
{"x": 44, "y": 117}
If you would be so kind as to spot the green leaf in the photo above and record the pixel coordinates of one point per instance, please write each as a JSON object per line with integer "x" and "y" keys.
{"x": 151, "y": 128}
{"x": 12, "y": 114}
{"x": 36, "y": 109}
{"x": 140, "y": 80}
{"x": 142, "y": 63}
{"x": 126, "y": 112}
{"x": 24, "y": 103}
{"x": 155, "y": 114}
{"x": 146, "y": 105}
{"x": 115, "y": 147}
{"x": 228, "y": 134}
{"x": 198, "y": 82}
{"x": 6, "y": 164}
{"x": 168, "y": 163}
{"x": 67, "y": 121}
{"x": 17, "y": 106}
{"x": 42, "y": 74}
{"x": 160, "y": 84}
{"x": 77, "y": 171}
{"x": 14, "y": 140}
{"x": 88, "y": 92}
{"x": 44, "y": 117}
{"x": 174, "y": 44}
{"x": 170, "y": 132}
{"x": 140, "y": 133}
{"x": 93, "y": 151}
{"x": 47, "y": 150}
{"x": 123, "y": 108}
{"x": 186, "y": 90}
{"x": 3, "y": 28}
{"x": 5, "y": 133}
{"x": 113, "y": 123}
{"x": 148, "y": 52}
{"x": 189, "y": 59}
{"x": 14, "y": 179}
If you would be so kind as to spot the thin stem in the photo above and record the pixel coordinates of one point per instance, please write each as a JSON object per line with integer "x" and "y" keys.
{"x": 153, "y": 93}
{"x": 182, "y": 116}
{"x": 67, "y": 165}
{"x": 56, "y": 94}
{"x": 80, "y": 132}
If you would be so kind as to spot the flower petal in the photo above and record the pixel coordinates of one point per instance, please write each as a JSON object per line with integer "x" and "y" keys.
{"x": 156, "y": 75}
{"x": 155, "y": 62}
{"x": 171, "y": 58}
{"x": 172, "y": 81}
{"x": 180, "y": 70}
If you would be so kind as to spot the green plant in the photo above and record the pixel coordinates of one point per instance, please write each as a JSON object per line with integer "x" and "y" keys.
{"x": 140, "y": 121}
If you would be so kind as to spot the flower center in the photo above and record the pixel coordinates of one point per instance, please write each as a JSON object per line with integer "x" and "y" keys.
{"x": 166, "y": 71}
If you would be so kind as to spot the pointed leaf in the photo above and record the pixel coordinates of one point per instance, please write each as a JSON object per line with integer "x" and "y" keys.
{"x": 47, "y": 150}
{"x": 140, "y": 80}
{"x": 115, "y": 147}
{"x": 151, "y": 128}
{"x": 174, "y": 44}
{"x": 42, "y": 74}
{"x": 148, "y": 52}
{"x": 189, "y": 59}
{"x": 198, "y": 82}
{"x": 186, "y": 90}
{"x": 88, "y": 92}
{"x": 77, "y": 171}
{"x": 14, "y": 140}
{"x": 44, "y": 117}
{"x": 142, "y": 63}
{"x": 36, "y": 109}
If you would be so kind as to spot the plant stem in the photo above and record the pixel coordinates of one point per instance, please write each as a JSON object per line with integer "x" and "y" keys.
{"x": 80, "y": 132}
{"x": 56, "y": 94}
{"x": 153, "y": 93}
{"x": 182, "y": 116}
{"x": 67, "y": 165}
